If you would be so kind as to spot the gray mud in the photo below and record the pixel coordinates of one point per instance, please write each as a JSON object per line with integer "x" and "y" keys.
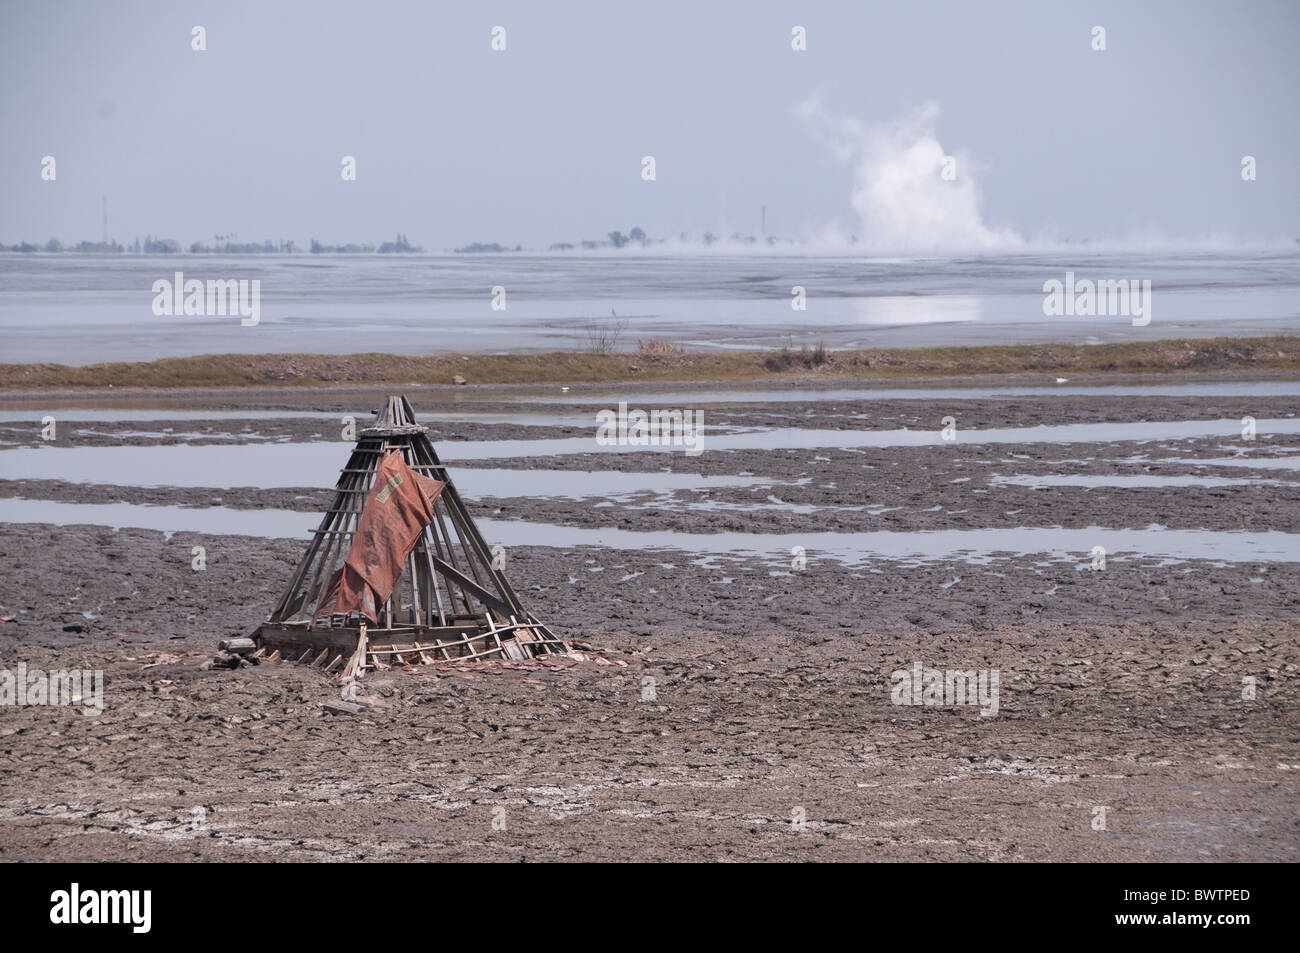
{"x": 738, "y": 693}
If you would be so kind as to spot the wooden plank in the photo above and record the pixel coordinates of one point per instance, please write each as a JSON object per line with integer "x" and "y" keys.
{"x": 357, "y": 663}
{"x": 274, "y": 636}
{"x": 489, "y": 599}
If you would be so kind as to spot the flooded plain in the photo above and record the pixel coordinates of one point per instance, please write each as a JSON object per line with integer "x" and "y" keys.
{"x": 861, "y": 493}
{"x": 1127, "y": 562}
{"x": 79, "y": 309}
{"x": 979, "y": 546}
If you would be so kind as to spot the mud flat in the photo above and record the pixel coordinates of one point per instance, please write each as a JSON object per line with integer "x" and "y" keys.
{"x": 728, "y": 689}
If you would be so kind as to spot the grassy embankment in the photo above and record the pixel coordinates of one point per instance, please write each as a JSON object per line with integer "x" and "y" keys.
{"x": 659, "y": 361}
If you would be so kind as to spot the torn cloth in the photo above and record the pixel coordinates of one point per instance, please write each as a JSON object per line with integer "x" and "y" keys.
{"x": 398, "y": 509}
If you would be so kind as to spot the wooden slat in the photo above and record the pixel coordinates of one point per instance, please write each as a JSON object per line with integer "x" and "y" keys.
{"x": 489, "y": 599}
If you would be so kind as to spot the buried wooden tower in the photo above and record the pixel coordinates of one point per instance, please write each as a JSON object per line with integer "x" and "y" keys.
{"x": 398, "y": 573}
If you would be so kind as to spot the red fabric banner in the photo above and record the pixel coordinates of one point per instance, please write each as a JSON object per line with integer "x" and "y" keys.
{"x": 398, "y": 509}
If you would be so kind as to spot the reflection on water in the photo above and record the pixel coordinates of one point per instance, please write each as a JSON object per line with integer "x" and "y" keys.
{"x": 214, "y": 520}
{"x": 900, "y": 310}
{"x": 1250, "y": 462}
{"x": 909, "y": 548}
{"x": 79, "y": 309}
{"x": 691, "y": 396}
{"x": 330, "y": 420}
{"x": 315, "y": 464}
{"x": 580, "y": 485}
{"x": 1124, "y": 481}
{"x": 162, "y": 413}
{"x": 969, "y": 545}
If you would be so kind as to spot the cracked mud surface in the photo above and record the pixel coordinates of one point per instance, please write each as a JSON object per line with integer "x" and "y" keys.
{"x": 1120, "y": 689}
{"x": 1144, "y": 720}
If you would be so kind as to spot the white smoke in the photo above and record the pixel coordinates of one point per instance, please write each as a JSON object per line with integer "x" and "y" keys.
{"x": 903, "y": 203}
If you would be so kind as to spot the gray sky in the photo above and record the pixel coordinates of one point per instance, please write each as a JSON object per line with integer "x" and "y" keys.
{"x": 543, "y": 142}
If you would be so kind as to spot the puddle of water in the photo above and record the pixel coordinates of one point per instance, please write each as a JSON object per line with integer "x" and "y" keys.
{"x": 287, "y": 465}
{"x": 1252, "y": 462}
{"x": 975, "y": 546}
{"x": 758, "y": 508}
{"x": 214, "y": 520}
{"x": 184, "y": 465}
{"x": 794, "y": 395}
{"x": 793, "y": 438}
{"x": 186, "y": 435}
{"x": 581, "y": 485}
{"x": 95, "y": 415}
{"x": 1142, "y": 481}
{"x": 979, "y": 546}
{"x": 306, "y": 464}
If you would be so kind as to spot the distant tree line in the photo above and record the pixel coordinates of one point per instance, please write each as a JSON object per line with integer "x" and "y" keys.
{"x": 54, "y": 245}
{"x": 479, "y": 248}
{"x": 225, "y": 245}
{"x": 614, "y": 239}
{"x": 637, "y": 236}
{"x": 221, "y": 245}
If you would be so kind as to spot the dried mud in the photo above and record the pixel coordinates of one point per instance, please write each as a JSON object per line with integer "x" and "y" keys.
{"x": 741, "y": 695}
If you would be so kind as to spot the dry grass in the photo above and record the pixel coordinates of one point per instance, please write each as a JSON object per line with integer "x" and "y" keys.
{"x": 806, "y": 358}
{"x": 659, "y": 347}
{"x": 309, "y": 370}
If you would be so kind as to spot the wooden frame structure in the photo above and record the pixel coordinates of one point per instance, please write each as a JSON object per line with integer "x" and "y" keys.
{"x": 451, "y": 602}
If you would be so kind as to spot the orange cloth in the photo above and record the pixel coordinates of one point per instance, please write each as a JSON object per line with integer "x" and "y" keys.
{"x": 398, "y": 509}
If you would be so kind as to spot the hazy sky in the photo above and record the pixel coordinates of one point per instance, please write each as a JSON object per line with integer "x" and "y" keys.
{"x": 543, "y": 142}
